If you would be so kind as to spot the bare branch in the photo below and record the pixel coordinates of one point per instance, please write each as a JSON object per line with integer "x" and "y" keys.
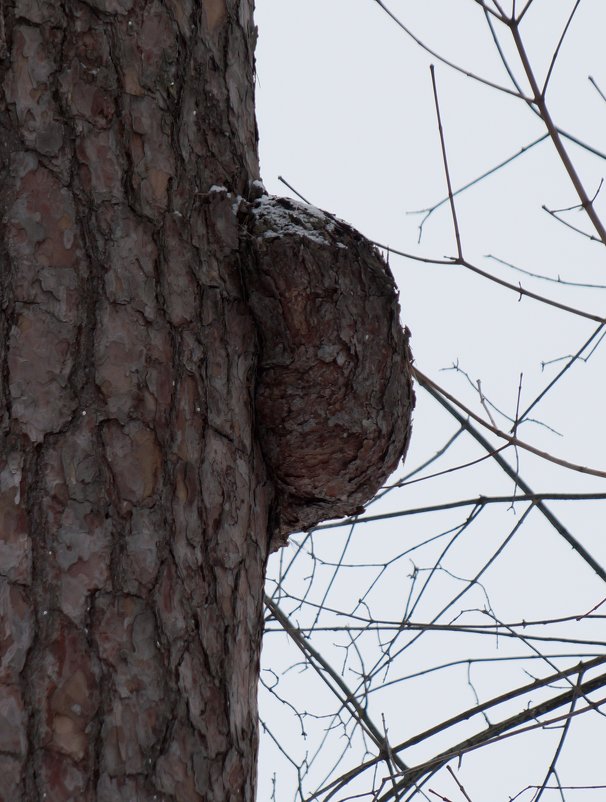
{"x": 576, "y": 229}
{"x": 445, "y": 161}
{"x": 440, "y": 58}
{"x": 325, "y": 670}
{"x": 596, "y": 87}
{"x": 521, "y": 483}
{"x": 524, "y": 690}
{"x": 566, "y": 367}
{"x": 552, "y": 767}
{"x": 529, "y": 294}
{"x": 431, "y": 209}
{"x": 539, "y": 101}
{"x": 523, "y": 11}
{"x": 558, "y": 47}
{"x": 478, "y": 501}
{"x": 541, "y": 277}
{"x": 504, "y": 61}
{"x": 514, "y": 441}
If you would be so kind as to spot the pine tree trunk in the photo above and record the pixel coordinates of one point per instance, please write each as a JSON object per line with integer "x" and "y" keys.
{"x": 133, "y": 499}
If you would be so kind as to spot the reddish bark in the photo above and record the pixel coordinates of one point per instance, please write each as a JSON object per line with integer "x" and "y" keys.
{"x": 136, "y": 512}
{"x": 133, "y": 500}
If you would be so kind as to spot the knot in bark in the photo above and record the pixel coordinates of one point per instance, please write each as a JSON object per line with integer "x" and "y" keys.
{"x": 334, "y": 395}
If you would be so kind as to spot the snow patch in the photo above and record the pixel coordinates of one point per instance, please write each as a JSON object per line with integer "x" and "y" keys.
{"x": 286, "y": 217}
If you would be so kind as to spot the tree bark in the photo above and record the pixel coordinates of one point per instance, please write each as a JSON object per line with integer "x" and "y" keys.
{"x": 133, "y": 496}
{"x": 190, "y": 370}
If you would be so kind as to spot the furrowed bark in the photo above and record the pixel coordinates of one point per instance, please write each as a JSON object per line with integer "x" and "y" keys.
{"x": 133, "y": 499}
{"x": 147, "y": 434}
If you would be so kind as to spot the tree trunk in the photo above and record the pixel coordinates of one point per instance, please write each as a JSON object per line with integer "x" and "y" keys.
{"x": 168, "y": 331}
{"x": 133, "y": 498}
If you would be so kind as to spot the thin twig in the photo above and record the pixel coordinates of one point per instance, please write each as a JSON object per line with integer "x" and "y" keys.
{"x": 506, "y": 728}
{"x": 541, "y": 277}
{"x": 323, "y": 667}
{"x": 474, "y": 711}
{"x": 487, "y": 10}
{"x": 576, "y": 229}
{"x": 522, "y": 484}
{"x": 454, "y": 776}
{"x": 566, "y": 367}
{"x": 504, "y": 61}
{"x": 517, "y": 288}
{"x": 297, "y": 193}
{"x": 552, "y": 767}
{"x": 477, "y": 501}
{"x": 523, "y": 11}
{"x": 579, "y": 142}
{"x": 431, "y": 209}
{"x": 596, "y": 87}
{"x": 558, "y": 47}
{"x": 445, "y": 161}
{"x": 529, "y": 294}
{"x": 440, "y": 58}
{"x": 514, "y": 441}
{"x": 545, "y": 114}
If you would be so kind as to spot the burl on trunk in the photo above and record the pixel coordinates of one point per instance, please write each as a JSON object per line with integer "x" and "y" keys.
{"x": 190, "y": 371}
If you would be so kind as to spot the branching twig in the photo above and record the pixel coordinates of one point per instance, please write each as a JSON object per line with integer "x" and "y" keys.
{"x": 541, "y": 105}
{"x": 431, "y": 209}
{"x": 514, "y": 441}
{"x": 478, "y": 501}
{"x": 528, "y": 715}
{"x": 508, "y": 727}
{"x": 316, "y": 659}
{"x": 456, "y": 67}
{"x": 523, "y": 485}
{"x": 558, "y": 47}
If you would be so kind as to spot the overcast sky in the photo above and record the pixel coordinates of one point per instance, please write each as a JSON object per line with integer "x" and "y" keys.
{"x": 346, "y": 114}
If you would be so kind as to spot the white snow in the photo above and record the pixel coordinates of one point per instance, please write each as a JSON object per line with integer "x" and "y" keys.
{"x": 301, "y": 220}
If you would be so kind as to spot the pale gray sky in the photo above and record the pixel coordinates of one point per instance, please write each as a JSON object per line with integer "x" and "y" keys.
{"x": 346, "y": 114}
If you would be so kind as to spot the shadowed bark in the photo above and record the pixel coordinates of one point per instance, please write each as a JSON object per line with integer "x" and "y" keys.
{"x": 136, "y": 511}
